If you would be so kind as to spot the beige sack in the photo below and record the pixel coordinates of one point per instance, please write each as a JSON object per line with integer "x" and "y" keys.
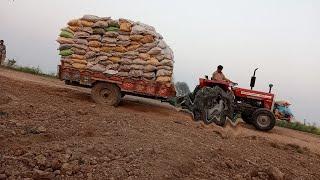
{"x": 79, "y": 66}
{"x": 63, "y": 40}
{"x": 91, "y": 18}
{"x": 136, "y": 37}
{"x": 78, "y": 61}
{"x": 81, "y": 41}
{"x": 86, "y": 23}
{"x": 78, "y": 51}
{"x": 95, "y": 49}
{"x": 123, "y": 74}
{"x": 125, "y": 25}
{"x": 90, "y": 54}
{"x": 149, "y": 68}
{"x": 81, "y": 34}
{"x": 153, "y": 61}
{"x": 139, "y": 61}
{"x": 166, "y": 62}
{"x": 149, "y": 75}
{"x": 102, "y": 58}
{"x": 133, "y": 47}
{"x": 144, "y": 56}
{"x": 111, "y": 34}
{"x": 95, "y": 44}
{"x": 107, "y": 49}
{"x": 125, "y": 68}
{"x": 80, "y": 46}
{"x": 74, "y": 22}
{"x": 81, "y": 29}
{"x": 114, "y": 59}
{"x": 155, "y": 51}
{"x": 126, "y": 61}
{"x": 163, "y": 72}
{"x": 168, "y": 68}
{"x": 76, "y": 56}
{"x": 147, "y": 39}
{"x": 101, "y": 24}
{"x": 94, "y": 38}
{"x": 137, "y": 67}
{"x": 120, "y": 49}
{"x": 123, "y": 38}
{"x": 164, "y": 79}
{"x": 136, "y": 73}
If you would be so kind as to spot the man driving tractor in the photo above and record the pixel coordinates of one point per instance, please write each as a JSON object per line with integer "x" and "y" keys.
{"x": 219, "y": 76}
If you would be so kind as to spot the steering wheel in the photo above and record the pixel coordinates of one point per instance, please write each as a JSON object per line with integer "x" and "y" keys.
{"x": 232, "y": 84}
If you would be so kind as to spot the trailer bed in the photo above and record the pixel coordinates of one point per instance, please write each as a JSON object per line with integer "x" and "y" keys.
{"x": 138, "y": 87}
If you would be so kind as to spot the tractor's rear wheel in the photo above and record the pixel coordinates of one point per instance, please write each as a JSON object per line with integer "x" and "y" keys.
{"x": 214, "y": 104}
{"x": 220, "y": 119}
{"x": 263, "y": 119}
{"x": 106, "y": 94}
{"x": 197, "y": 115}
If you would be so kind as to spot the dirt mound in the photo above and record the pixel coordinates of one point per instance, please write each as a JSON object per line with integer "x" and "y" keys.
{"x": 52, "y": 132}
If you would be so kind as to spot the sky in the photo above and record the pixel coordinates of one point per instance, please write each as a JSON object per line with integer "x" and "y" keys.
{"x": 280, "y": 37}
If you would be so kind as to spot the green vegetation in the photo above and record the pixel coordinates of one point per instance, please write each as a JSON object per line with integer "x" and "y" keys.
{"x": 11, "y": 64}
{"x": 299, "y": 126}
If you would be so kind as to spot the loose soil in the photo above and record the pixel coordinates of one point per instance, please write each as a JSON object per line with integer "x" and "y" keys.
{"x": 52, "y": 131}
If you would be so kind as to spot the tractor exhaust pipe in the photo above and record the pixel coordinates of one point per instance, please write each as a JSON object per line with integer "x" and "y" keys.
{"x": 253, "y": 79}
{"x": 270, "y": 87}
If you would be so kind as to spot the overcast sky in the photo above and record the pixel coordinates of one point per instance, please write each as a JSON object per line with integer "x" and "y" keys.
{"x": 281, "y": 37}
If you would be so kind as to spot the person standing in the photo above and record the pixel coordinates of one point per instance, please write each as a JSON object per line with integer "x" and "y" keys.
{"x": 2, "y": 52}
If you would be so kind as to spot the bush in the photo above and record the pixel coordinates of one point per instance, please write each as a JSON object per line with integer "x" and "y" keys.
{"x": 31, "y": 70}
{"x": 11, "y": 62}
{"x": 299, "y": 126}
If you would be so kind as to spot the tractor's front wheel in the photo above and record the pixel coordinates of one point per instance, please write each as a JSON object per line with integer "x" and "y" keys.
{"x": 263, "y": 119}
{"x": 106, "y": 94}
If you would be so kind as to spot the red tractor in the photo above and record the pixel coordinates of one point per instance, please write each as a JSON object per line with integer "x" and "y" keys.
{"x": 215, "y": 101}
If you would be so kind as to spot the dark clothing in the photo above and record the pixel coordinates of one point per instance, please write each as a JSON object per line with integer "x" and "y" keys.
{"x": 2, "y": 53}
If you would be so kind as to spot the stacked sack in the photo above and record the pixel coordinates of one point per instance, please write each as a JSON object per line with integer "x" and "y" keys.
{"x": 117, "y": 47}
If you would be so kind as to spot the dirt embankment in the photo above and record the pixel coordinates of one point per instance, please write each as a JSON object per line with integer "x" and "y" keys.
{"x": 48, "y": 130}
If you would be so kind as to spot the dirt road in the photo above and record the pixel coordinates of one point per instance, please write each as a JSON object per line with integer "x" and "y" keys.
{"x": 51, "y": 131}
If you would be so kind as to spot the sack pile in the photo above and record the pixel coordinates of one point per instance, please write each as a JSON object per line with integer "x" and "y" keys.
{"x": 117, "y": 47}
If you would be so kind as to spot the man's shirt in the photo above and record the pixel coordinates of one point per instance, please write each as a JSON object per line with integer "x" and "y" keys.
{"x": 219, "y": 76}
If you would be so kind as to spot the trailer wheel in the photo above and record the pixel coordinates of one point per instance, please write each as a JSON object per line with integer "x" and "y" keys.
{"x": 67, "y": 82}
{"x": 106, "y": 94}
{"x": 263, "y": 119}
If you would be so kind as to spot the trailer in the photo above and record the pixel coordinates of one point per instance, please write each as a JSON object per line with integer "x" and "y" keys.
{"x": 108, "y": 89}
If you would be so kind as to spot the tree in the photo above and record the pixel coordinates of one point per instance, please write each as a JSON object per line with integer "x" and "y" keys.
{"x": 182, "y": 88}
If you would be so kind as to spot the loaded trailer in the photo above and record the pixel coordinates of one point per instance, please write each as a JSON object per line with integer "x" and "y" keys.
{"x": 108, "y": 89}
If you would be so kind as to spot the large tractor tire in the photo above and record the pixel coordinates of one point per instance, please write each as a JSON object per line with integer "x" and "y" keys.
{"x": 214, "y": 104}
{"x": 263, "y": 119}
{"x": 106, "y": 94}
{"x": 197, "y": 115}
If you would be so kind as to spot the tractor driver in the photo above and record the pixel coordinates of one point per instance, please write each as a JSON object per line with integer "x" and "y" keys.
{"x": 219, "y": 76}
